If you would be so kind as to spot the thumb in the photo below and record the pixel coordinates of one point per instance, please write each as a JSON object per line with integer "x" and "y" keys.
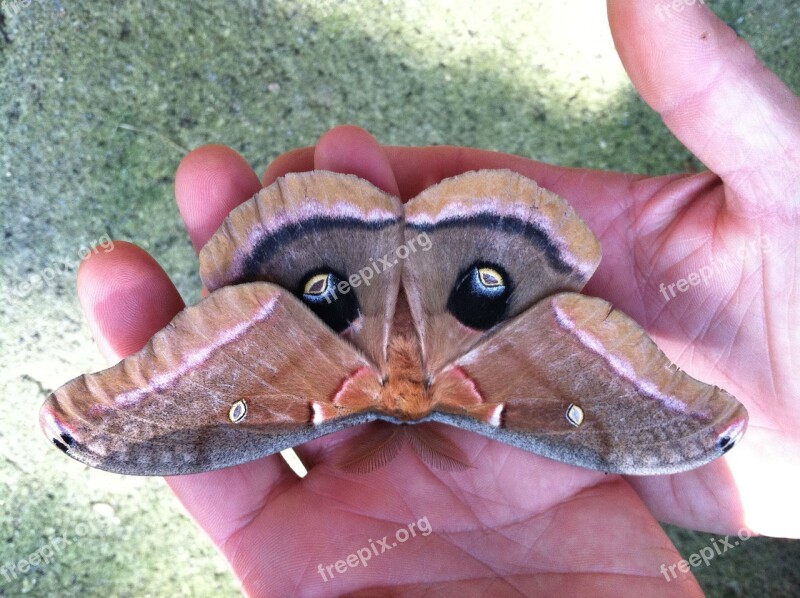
{"x": 715, "y": 96}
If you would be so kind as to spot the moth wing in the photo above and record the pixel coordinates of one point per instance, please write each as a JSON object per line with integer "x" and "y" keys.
{"x": 317, "y": 222}
{"x": 245, "y": 373}
{"x": 577, "y": 381}
{"x": 495, "y": 218}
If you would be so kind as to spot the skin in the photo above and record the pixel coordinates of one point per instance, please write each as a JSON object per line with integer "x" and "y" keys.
{"x": 517, "y": 522}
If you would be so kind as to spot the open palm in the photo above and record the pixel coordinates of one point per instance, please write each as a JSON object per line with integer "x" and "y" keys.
{"x": 516, "y": 522}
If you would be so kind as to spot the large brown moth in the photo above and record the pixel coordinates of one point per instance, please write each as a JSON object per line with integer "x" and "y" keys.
{"x": 333, "y": 304}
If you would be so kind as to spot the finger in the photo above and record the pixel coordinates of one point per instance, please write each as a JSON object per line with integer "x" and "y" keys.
{"x": 350, "y": 149}
{"x": 126, "y": 297}
{"x": 209, "y": 183}
{"x": 417, "y": 168}
{"x": 345, "y": 148}
{"x": 712, "y": 92}
{"x": 300, "y": 159}
{"x": 695, "y": 498}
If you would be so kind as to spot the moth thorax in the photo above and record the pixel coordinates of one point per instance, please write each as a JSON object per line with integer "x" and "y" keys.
{"x": 404, "y": 395}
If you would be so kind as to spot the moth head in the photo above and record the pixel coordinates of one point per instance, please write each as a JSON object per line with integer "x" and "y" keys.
{"x": 480, "y": 296}
{"x": 329, "y": 295}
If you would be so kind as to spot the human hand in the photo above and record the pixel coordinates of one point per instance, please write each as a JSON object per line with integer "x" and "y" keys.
{"x": 734, "y": 227}
{"x": 518, "y": 521}
{"x": 738, "y": 222}
{"x": 512, "y": 523}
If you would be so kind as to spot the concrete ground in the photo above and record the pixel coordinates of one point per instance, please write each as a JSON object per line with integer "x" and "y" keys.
{"x": 100, "y": 100}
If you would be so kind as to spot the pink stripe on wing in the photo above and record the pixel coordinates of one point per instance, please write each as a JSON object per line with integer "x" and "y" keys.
{"x": 196, "y": 358}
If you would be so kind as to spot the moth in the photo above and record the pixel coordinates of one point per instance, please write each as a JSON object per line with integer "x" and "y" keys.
{"x": 332, "y": 304}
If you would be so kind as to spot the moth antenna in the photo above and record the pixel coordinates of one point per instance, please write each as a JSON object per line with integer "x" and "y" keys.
{"x": 437, "y": 450}
{"x": 374, "y": 448}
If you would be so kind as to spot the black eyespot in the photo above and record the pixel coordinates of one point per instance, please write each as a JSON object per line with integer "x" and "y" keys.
{"x": 329, "y": 296}
{"x": 480, "y": 297}
{"x": 726, "y": 443}
{"x": 68, "y": 442}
